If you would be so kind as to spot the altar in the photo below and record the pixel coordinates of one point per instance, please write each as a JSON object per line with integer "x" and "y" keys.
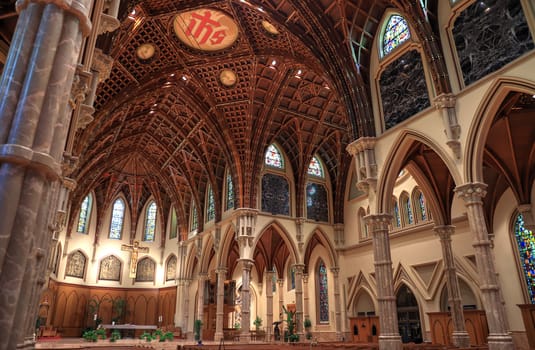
{"x": 129, "y": 330}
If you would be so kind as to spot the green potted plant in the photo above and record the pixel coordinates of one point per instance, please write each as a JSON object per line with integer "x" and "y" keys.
{"x": 90, "y": 336}
{"x": 115, "y": 335}
{"x": 257, "y": 322}
{"x": 308, "y": 324}
{"x": 197, "y": 326}
{"x": 147, "y": 336}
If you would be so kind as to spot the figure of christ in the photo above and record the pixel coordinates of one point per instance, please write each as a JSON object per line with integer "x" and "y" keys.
{"x": 135, "y": 249}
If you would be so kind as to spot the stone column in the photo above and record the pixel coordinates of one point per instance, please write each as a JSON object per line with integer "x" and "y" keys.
{"x": 299, "y": 268}
{"x": 245, "y": 334}
{"x": 34, "y": 118}
{"x": 180, "y": 303}
{"x": 337, "y": 303}
{"x": 280, "y": 282}
{"x": 460, "y": 337}
{"x": 269, "y": 301}
{"x": 186, "y": 324}
{"x": 499, "y": 338}
{"x": 203, "y": 276}
{"x": 220, "y": 310}
{"x": 389, "y": 339}
{"x": 305, "y": 297}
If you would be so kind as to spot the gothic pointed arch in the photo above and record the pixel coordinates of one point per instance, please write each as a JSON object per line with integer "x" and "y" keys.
{"x": 110, "y": 268}
{"x": 84, "y": 214}
{"x": 76, "y": 264}
{"x": 273, "y": 247}
{"x": 171, "y": 265}
{"x": 319, "y": 239}
{"x": 431, "y": 166}
{"x": 146, "y": 270}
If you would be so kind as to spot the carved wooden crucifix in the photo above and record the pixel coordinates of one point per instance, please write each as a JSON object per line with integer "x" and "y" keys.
{"x": 135, "y": 249}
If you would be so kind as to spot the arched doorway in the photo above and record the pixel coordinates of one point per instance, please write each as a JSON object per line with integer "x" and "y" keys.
{"x": 408, "y": 316}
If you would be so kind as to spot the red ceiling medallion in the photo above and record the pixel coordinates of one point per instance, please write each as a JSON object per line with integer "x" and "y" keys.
{"x": 205, "y": 29}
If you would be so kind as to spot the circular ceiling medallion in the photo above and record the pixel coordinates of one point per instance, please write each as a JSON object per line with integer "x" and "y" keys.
{"x": 270, "y": 28}
{"x": 145, "y": 51}
{"x": 227, "y": 77}
{"x": 205, "y": 29}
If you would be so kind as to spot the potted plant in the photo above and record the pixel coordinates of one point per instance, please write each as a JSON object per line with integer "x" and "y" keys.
{"x": 147, "y": 336}
{"x": 257, "y": 322}
{"x": 197, "y": 326}
{"x": 115, "y": 335}
{"x": 308, "y": 324}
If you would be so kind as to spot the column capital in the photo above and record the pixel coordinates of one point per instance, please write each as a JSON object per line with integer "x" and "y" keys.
{"x": 445, "y": 101}
{"x": 221, "y": 270}
{"x": 299, "y": 267}
{"x": 305, "y": 278}
{"x": 360, "y": 145}
{"x": 280, "y": 282}
{"x": 378, "y": 222}
{"x": 203, "y": 275}
{"x": 444, "y": 232}
{"x": 472, "y": 193}
{"x": 335, "y": 270}
{"x": 103, "y": 64}
{"x": 246, "y": 263}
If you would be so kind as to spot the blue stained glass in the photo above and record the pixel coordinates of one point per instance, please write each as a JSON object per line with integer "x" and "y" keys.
{"x": 117, "y": 218}
{"x": 230, "y": 192}
{"x": 526, "y": 248}
{"x": 396, "y": 32}
{"x": 323, "y": 293}
{"x": 150, "y": 222}
{"x": 85, "y": 212}
{"x": 421, "y": 202}
{"x": 408, "y": 211}
{"x": 274, "y": 158}
{"x": 397, "y": 217}
{"x": 194, "y": 219}
{"x": 210, "y": 208}
{"x": 315, "y": 168}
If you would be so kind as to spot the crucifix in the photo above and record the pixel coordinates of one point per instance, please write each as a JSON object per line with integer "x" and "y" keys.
{"x": 135, "y": 249}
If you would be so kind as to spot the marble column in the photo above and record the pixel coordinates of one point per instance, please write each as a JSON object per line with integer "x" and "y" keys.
{"x": 305, "y": 298}
{"x": 220, "y": 302}
{"x": 499, "y": 338}
{"x": 180, "y": 303}
{"x": 203, "y": 276}
{"x": 186, "y": 324}
{"x": 460, "y": 337}
{"x": 269, "y": 305}
{"x": 337, "y": 303}
{"x": 299, "y": 268}
{"x": 389, "y": 339}
{"x": 245, "y": 334}
{"x": 34, "y": 118}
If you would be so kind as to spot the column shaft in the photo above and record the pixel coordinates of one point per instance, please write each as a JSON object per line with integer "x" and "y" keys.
{"x": 269, "y": 301}
{"x": 499, "y": 338}
{"x": 200, "y": 298}
{"x": 245, "y": 334}
{"x": 337, "y": 303}
{"x": 389, "y": 339}
{"x": 299, "y": 268}
{"x": 220, "y": 313}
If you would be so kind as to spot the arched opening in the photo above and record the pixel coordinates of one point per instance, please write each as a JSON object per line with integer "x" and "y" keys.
{"x": 410, "y": 328}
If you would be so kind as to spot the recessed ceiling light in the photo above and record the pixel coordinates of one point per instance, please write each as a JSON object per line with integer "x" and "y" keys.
{"x": 184, "y": 78}
{"x": 273, "y": 63}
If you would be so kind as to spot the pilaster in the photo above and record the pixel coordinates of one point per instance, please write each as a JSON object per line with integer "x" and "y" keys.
{"x": 269, "y": 304}
{"x": 445, "y": 103}
{"x": 337, "y": 303}
{"x": 299, "y": 268}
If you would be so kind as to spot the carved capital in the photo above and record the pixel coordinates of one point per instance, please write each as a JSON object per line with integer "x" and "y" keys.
{"x": 361, "y": 144}
{"x": 108, "y": 24}
{"x": 472, "y": 193}
{"x": 378, "y": 222}
{"x": 247, "y": 264}
{"x": 85, "y": 117}
{"x": 444, "y": 232}
{"x": 103, "y": 64}
{"x": 336, "y": 271}
{"x": 445, "y": 101}
{"x": 221, "y": 270}
{"x": 69, "y": 163}
{"x": 80, "y": 87}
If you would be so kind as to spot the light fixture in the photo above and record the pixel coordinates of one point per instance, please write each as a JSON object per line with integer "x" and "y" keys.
{"x": 274, "y": 63}
{"x": 184, "y": 78}
{"x": 132, "y": 15}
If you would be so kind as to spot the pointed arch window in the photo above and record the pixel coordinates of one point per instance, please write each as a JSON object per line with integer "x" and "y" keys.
{"x": 406, "y": 209}
{"x": 421, "y": 206}
{"x": 396, "y": 32}
{"x": 323, "y": 293}
{"x": 150, "y": 222}
{"x": 194, "y": 219}
{"x": 315, "y": 168}
{"x": 273, "y": 157}
{"x": 395, "y": 213}
{"x": 362, "y": 224}
{"x": 173, "y": 233}
{"x": 210, "y": 207}
{"x": 117, "y": 219}
{"x": 85, "y": 214}
{"x": 526, "y": 248}
{"x": 291, "y": 278}
{"x": 230, "y": 192}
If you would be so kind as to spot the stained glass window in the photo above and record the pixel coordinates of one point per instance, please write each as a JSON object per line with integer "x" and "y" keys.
{"x": 85, "y": 213}
{"x": 407, "y": 210}
{"x": 275, "y": 194}
{"x": 317, "y": 202}
{"x": 526, "y": 248}
{"x": 421, "y": 203}
{"x": 274, "y": 157}
{"x": 117, "y": 218}
{"x": 291, "y": 275}
{"x": 323, "y": 293}
{"x": 397, "y": 217}
{"x": 174, "y": 225}
{"x": 315, "y": 168}
{"x": 396, "y": 32}
{"x": 230, "y": 192}
{"x": 210, "y": 208}
{"x": 150, "y": 222}
{"x": 194, "y": 219}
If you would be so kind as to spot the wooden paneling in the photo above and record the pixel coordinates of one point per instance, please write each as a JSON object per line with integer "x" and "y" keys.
{"x": 475, "y": 324}
{"x": 68, "y": 306}
{"x": 528, "y": 315}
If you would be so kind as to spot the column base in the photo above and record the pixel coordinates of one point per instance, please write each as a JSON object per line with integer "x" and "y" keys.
{"x": 245, "y": 337}
{"x": 500, "y": 342}
{"x": 218, "y": 336}
{"x": 461, "y": 339}
{"x": 390, "y": 342}
{"x": 29, "y": 343}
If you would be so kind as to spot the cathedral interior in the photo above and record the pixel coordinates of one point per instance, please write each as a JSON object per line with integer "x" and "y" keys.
{"x": 349, "y": 170}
